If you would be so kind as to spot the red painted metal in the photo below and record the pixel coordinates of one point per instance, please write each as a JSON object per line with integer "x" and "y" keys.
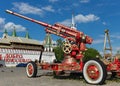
{"x": 30, "y": 69}
{"x": 93, "y": 72}
{"x": 114, "y": 65}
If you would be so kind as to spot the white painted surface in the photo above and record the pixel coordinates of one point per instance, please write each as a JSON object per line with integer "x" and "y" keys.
{"x": 13, "y": 57}
{"x": 48, "y": 57}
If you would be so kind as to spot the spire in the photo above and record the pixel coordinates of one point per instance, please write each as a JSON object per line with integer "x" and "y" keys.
{"x": 27, "y": 35}
{"x": 5, "y": 33}
{"x": 48, "y": 42}
{"x": 14, "y": 32}
{"x": 73, "y": 22}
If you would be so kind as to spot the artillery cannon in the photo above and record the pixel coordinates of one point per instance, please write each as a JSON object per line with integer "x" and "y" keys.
{"x": 94, "y": 70}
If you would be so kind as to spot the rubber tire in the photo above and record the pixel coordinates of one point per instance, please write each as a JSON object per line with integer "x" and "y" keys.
{"x": 34, "y": 69}
{"x": 102, "y": 69}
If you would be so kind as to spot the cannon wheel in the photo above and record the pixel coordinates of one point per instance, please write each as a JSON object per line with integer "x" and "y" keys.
{"x": 31, "y": 69}
{"x": 94, "y": 72}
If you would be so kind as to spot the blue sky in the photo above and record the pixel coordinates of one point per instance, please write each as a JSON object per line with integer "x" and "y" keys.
{"x": 91, "y": 16}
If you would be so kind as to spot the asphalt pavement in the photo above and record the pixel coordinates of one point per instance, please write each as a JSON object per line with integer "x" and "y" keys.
{"x": 17, "y": 77}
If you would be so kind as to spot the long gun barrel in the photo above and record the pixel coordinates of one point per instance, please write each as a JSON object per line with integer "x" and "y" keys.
{"x": 30, "y": 19}
{"x": 57, "y": 29}
{"x": 51, "y": 27}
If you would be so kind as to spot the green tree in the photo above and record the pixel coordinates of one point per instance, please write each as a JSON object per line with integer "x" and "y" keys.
{"x": 58, "y": 50}
{"x": 91, "y": 53}
{"x": 59, "y": 42}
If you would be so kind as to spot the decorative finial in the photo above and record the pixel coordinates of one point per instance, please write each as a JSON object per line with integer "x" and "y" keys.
{"x": 14, "y": 32}
{"x": 73, "y": 22}
{"x": 27, "y": 35}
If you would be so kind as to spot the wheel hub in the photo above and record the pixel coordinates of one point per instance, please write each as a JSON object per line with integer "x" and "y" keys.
{"x": 93, "y": 72}
{"x": 30, "y": 69}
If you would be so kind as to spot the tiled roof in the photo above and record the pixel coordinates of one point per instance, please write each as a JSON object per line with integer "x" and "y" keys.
{"x": 11, "y": 39}
{"x": 48, "y": 40}
{"x": 4, "y": 41}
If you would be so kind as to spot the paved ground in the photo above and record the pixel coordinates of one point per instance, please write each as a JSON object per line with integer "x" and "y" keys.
{"x": 17, "y": 77}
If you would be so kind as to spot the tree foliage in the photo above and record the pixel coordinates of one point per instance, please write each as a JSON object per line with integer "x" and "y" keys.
{"x": 58, "y": 50}
{"x": 91, "y": 53}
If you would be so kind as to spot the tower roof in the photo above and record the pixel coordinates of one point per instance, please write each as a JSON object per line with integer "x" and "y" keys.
{"x": 27, "y": 35}
{"x": 48, "y": 40}
{"x": 5, "y": 31}
{"x": 5, "y": 34}
{"x": 14, "y": 33}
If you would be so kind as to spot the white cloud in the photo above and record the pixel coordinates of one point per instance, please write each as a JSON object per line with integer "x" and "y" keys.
{"x": 81, "y": 19}
{"x": 2, "y": 21}
{"x": 81, "y": 1}
{"x": 99, "y": 41}
{"x": 84, "y": 1}
{"x": 104, "y": 23}
{"x": 87, "y": 18}
{"x": 48, "y": 8}
{"x": 66, "y": 22}
{"x": 117, "y": 48}
{"x": 115, "y": 36}
{"x": 10, "y": 26}
{"x": 53, "y": 1}
{"x": 25, "y": 8}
